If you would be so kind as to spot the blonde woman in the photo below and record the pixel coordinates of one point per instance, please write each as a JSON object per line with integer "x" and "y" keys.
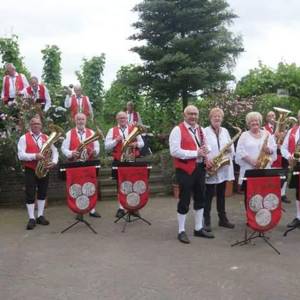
{"x": 250, "y": 145}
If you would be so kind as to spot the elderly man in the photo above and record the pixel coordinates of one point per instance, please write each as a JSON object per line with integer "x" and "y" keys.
{"x": 29, "y": 147}
{"x": 78, "y": 103}
{"x": 113, "y": 142}
{"x": 133, "y": 116}
{"x": 38, "y": 93}
{"x": 189, "y": 149}
{"x": 72, "y": 141}
{"x": 13, "y": 84}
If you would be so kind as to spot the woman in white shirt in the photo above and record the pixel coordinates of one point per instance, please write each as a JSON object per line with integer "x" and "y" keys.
{"x": 250, "y": 145}
{"x": 217, "y": 138}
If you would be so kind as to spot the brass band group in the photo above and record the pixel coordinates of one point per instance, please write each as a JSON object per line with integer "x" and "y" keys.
{"x": 203, "y": 157}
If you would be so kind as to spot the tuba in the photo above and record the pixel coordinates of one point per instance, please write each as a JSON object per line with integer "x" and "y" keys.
{"x": 41, "y": 169}
{"x": 221, "y": 159}
{"x": 282, "y": 123}
{"x": 263, "y": 158}
{"x": 127, "y": 150}
{"x": 83, "y": 156}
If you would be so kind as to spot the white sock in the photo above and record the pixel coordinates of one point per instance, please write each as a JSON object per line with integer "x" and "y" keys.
{"x": 283, "y": 189}
{"x": 181, "y": 222}
{"x": 120, "y": 206}
{"x": 93, "y": 210}
{"x": 198, "y": 219}
{"x": 41, "y": 206}
{"x": 30, "y": 210}
{"x": 298, "y": 209}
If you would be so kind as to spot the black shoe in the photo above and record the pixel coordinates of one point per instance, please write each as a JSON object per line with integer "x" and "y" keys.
{"x": 294, "y": 223}
{"x": 285, "y": 199}
{"x": 31, "y": 224}
{"x": 207, "y": 227}
{"x": 120, "y": 213}
{"x": 203, "y": 233}
{"x": 183, "y": 238}
{"x": 95, "y": 215}
{"x": 42, "y": 221}
{"x": 226, "y": 224}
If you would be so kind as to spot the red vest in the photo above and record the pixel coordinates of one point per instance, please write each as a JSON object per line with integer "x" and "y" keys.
{"x": 75, "y": 142}
{"x": 135, "y": 117}
{"x": 292, "y": 139}
{"x": 32, "y": 147}
{"x": 187, "y": 143}
{"x": 117, "y": 152}
{"x": 75, "y": 108}
{"x": 42, "y": 94}
{"x": 269, "y": 128}
{"x": 19, "y": 86}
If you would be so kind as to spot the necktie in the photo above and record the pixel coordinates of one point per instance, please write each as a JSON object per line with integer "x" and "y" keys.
{"x": 193, "y": 131}
{"x": 123, "y": 132}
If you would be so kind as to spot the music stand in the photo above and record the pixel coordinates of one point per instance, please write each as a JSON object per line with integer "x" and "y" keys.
{"x": 258, "y": 234}
{"x": 294, "y": 184}
{"x": 79, "y": 164}
{"x": 131, "y": 216}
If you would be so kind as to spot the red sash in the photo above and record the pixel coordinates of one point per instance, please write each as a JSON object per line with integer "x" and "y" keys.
{"x": 187, "y": 143}
{"x": 19, "y": 85}
{"x": 32, "y": 147}
{"x": 75, "y": 142}
{"x": 75, "y": 108}
{"x": 292, "y": 139}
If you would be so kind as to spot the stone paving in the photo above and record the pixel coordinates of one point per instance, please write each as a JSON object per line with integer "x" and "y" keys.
{"x": 145, "y": 262}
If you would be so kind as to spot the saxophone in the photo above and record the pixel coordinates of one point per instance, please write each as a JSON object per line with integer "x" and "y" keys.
{"x": 41, "y": 169}
{"x": 263, "y": 158}
{"x": 221, "y": 159}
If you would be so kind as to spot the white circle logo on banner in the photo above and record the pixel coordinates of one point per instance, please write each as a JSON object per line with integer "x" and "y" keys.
{"x": 271, "y": 201}
{"x": 263, "y": 217}
{"x": 256, "y": 203}
{"x": 88, "y": 189}
{"x": 75, "y": 190}
{"x": 139, "y": 187}
{"x": 133, "y": 199}
{"x": 82, "y": 202}
{"x": 126, "y": 187}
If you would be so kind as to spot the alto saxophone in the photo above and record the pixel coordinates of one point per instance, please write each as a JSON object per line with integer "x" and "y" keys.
{"x": 41, "y": 169}
{"x": 221, "y": 159}
{"x": 263, "y": 158}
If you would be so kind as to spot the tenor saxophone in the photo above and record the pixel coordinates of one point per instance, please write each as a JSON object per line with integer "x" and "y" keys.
{"x": 263, "y": 158}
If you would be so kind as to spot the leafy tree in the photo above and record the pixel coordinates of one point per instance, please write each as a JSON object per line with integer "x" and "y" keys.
{"x": 10, "y": 53}
{"x": 52, "y": 71}
{"x": 90, "y": 78}
{"x": 186, "y": 47}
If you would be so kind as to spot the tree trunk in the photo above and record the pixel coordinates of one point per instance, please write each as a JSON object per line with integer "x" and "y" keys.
{"x": 184, "y": 97}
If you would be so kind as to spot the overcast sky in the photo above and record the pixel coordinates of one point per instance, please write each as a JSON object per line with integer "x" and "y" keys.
{"x": 270, "y": 31}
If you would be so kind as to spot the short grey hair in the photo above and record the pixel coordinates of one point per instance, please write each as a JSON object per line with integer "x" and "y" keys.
{"x": 254, "y": 115}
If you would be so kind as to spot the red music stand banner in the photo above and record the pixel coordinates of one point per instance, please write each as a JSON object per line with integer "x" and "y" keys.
{"x": 263, "y": 202}
{"x": 82, "y": 189}
{"x": 133, "y": 188}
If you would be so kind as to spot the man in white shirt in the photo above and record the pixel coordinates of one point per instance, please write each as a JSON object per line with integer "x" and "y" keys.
{"x": 38, "y": 93}
{"x": 133, "y": 117}
{"x": 78, "y": 103}
{"x": 29, "y": 147}
{"x": 73, "y": 139}
{"x": 113, "y": 142}
{"x": 189, "y": 149}
{"x": 13, "y": 84}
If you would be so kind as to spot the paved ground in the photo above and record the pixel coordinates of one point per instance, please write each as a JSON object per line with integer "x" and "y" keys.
{"x": 145, "y": 262}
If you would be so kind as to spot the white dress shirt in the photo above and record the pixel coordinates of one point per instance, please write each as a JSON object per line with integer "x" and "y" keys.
{"x": 36, "y": 96}
{"x": 175, "y": 144}
{"x": 111, "y": 143}
{"x": 285, "y": 146}
{"x": 250, "y": 146}
{"x": 12, "y": 85}
{"x": 24, "y": 156}
{"x": 65, "y": 147}
{"x": 68, "y": 102}
{"x": 130, "y": 118}
{"x": 226, "y": 172}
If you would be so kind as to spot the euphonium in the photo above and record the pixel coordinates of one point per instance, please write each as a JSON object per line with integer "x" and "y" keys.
{"x": 282, "y": 123}
{"x": 127, "y": 151}
{"x": 221, "y": 159}
{"x": 41, "y": 169}
{"x": 263, "y": 157}
{"x": 82, "y": 147}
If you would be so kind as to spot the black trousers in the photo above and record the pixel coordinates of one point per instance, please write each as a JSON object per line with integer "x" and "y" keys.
{"x": 33, "y": 184}
{"x": 189, "y": 185}
{"x": 211, "y": 189}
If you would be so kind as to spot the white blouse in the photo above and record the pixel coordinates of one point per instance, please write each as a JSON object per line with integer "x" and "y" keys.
{"x": 226, "y": 172}
{"x": 250, "y": 146}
